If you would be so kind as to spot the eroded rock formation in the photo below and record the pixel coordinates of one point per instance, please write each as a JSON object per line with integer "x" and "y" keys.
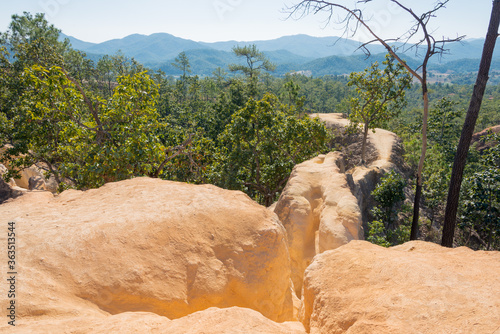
{"x": 318, "y": 210}
{"x": 9, "y": 189}
{"x": 417, "y": 287}
{"x": 210, "y": 321}
{"x": 151, "y": 246}
{"x": 152, "y": 256}
{"x": 323, "y": 205}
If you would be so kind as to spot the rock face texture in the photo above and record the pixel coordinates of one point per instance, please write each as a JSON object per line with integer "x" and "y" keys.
{"x": 147, "y": 245}
{"x": 233, "y": 320}
{"x": 31, "y": 178}
{"x": 417, "y": 287}
{"x": 8, "y": 189}
{"x": 318, "y": 210}
{"x": 323, "y": 206}
{"x": 387, "y": 153}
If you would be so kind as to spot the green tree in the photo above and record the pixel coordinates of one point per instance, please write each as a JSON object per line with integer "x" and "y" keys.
{"x": 380, "y": 95}
{"x": 83, "y": 137}
{"x": 481, "y": 206}
{"x": 480, "y": 212}
{"x": 468, "y": 128}
{"x": 107, "y": 75}
{"x": 34, "y": 41}
{"x": 386, "y": 230}
{"x": 419, "y": 34}
{"x": 291, "y": 96}
{"x": 443, "y": 135}
{"x": 255, "y": 62}
{"x": 443, "y": 125}
{"x": 182, "y": 63}
{"x": 262, "y": 144}
{"x": 31, "y": 40}
{"x": 123, "y": 65}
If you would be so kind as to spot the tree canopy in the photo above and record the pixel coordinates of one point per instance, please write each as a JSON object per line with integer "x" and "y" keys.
{"x": 380, "y": 95}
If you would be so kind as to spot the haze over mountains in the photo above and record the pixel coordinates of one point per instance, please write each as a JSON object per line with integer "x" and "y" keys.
{"x": 315, "y": 55}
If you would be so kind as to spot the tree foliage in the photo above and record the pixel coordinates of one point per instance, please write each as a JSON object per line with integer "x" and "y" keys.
{"x": 254, "y": 62}
{"x": 85, "y": 138}
{"x": 387, "y": 229}
{"x": 182, "y": 63}
{"x": 380, "y": 95}
{"x": 480, "y": 211}
{"x": 262, "y": 144}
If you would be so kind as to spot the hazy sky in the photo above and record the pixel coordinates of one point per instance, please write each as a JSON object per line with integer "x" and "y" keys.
{"x": 222, "y": 20}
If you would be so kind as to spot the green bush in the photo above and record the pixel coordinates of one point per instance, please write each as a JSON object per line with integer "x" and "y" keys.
{"x": 387, "y": 229}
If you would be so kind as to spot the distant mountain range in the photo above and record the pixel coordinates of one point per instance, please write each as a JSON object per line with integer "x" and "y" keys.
{"x": 314, "y": 55}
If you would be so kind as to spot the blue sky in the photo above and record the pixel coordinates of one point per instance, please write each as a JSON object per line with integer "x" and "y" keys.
{"x": 222, "y": 20}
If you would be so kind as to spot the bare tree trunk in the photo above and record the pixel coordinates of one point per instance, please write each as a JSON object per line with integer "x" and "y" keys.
{"x": 363, "y": 145}
{"x": 468, "y": 128}
{"x": 418, "y": 190}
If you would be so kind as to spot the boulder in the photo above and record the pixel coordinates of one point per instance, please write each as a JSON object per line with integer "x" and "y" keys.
{"x": 417, "y": 287}
{"x": 147, "y": 245}
{"x": 318, "y": 211}
{"x": 8, "y": 189}
{"x": 25, "y": 175}
{"x": 37, "y": 171}
{"x": 210, "y": 321}
{"x": 36, "y": 183}
{"x": 5, "y": 191}
{"x": 36, "y": 174}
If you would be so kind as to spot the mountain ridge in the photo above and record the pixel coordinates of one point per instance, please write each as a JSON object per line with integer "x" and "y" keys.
{"x": 291, "y": 53}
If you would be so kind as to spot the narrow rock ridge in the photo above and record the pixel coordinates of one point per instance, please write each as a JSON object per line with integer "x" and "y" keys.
{"x": 318, "y": 211}
{"x": 323, "y": 206}
{"x": 388, "y": 156}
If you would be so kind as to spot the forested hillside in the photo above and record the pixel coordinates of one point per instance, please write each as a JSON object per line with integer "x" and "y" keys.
{"x": 315, "y": 55}
{"x": 92, "y": 120}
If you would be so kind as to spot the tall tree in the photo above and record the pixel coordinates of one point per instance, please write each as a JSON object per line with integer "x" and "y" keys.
{"x": 33, "y": 40}
{"x": 354, "y": 19}
{"x": 182, "y": 63}
{"x": 380, "y": 95}
{"x": 480, "y": 208}
{"x": 256, "y": 61}
{"x": 468, "y": 128}
{"x": 30, "y": 40}
{"x": 57, "y": 119}
{"x": 262, "y": 144}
